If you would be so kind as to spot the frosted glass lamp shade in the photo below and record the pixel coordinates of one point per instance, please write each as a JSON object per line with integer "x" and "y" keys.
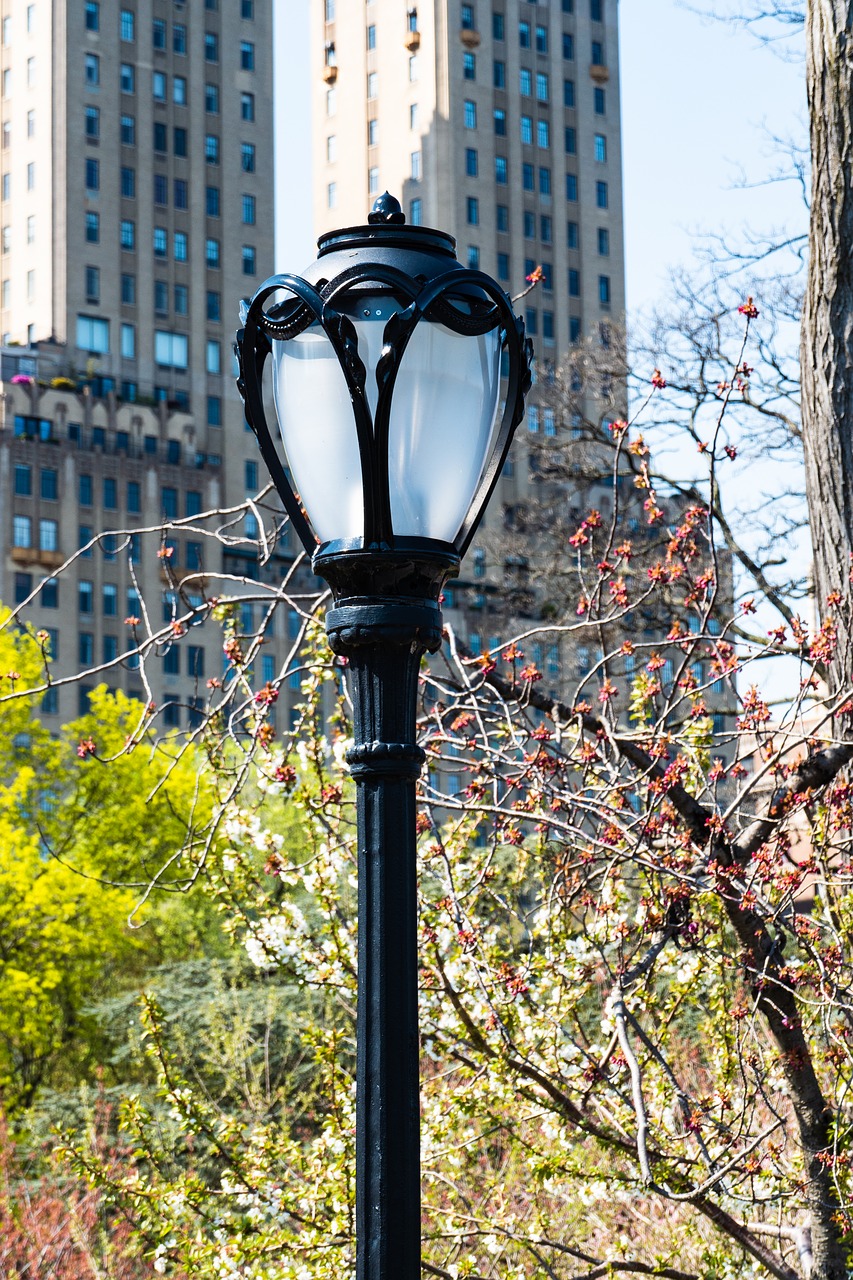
{"x": 444, "y": 414}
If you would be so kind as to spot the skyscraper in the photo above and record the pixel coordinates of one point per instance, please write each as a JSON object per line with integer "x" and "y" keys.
{"x": 136, "y": 209}
{"x": 496, "y": 120}
{"x": 499, "y": 121}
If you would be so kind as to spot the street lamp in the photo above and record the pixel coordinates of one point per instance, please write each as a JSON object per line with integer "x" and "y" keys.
{"x": 388, "y": 358}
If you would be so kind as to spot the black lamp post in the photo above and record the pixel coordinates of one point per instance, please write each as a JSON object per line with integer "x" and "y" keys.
{"x": 387, "y": 364}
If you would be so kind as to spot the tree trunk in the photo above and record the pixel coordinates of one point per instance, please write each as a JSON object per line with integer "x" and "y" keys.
{"x": 827, "y": 380}
{"x": 827, "y": 328}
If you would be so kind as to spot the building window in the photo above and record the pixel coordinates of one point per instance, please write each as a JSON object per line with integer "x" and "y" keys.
{"x": 528, "y": 177}
{"x": 500, "y": 123}
{"x": 469, "y": 66}
{"x": 161, "y": 189}
{"x": 93, "y": 284}
{"x": 181, "y": 300}
{"x": 179, "y": 245}
{"x": 247, "y": 157}
{"x": 48, "y": 535}
{"x": 527, "y": 130}
{"x": 599, "y": 101}
{"x": 92, "y": 66}
{"x": 247, "y": 9}
{"x": 597, "y": 54}
{"x": 542, "y": 87}
{"x": 93, "y": 175}
{"x": 414, "y": 68}
{"x": 127, "y": 78}
{"x": 574, "y": 282}
{"x": 127, "y": 234}
{"x": 502, "y": 217}
{"x": 93, "y": 125}
{"x": 160, "y": 242}
{"x": 498, "y": 32}
{"x": 530, "y": 229}
{"x": 211, "y": 99}
{"x": 179, "y": 91}
{"x": 211, "y": 148}
{"x": 50, "y": 600}
{"x": 110, "y": 600}
{"x": 179, "y": 141}
{"x": 213, "y": 351}
{"x": 249, "y": 210}
{"x": 211, "y": 46}
{"x": 603, "y": 242}
{"x": 214, "y": 411}
{"x": 571, "y": 187}
{"x": 247, "y": 107}
{"x": 600, "y": 148}
{"x": 470, "y": 114}
{"x": 171, "y": 350}
{"x": 211, "y": 202}
{"x": 548, "y": 336}
{"x": 601, "y": 195}
{"x": 181, "y": 193}
{"x": 127, "y": 131}
{"x": 214, "y": 306}
{"x": 24, "y": 480}
{"x": 541, "y": 39}
{"x": 500, "y": 170}
{"x": 249, "y": 260}
{"x": 544, "y": 181}
{"x": 604, "y": 290}
{"x": 416, "y": 212}
{"x": 93, "y": 334}
{"x": 161, "y": 137}
{"x": 595, "y": 10}
{"x": 531, "y": 320}
{"x": 332, "y": 195}
{"x": 158, "y": 86}
{"x": 128, "y": 341}
{"x": 31, "y": 124}
{"x": 472, "y": 206}
{"x": 543, "y": 133}
{"x": 23, "y": 587}
{"x": 372, "y": 85}
{"x": 499, "y": 75}
{"x": 503, "y": 266}
{"x": 371, "y": 36}
{"x": 524, "y": 35}
{"x": 474, "y": 257}
{"x": 545, "y": 235}
{"x": 93, "y": 228}
{"x": 22, "y": 531}
{"x": 247, "y": 55}
{"x": 525, "y": 82}
{"x": 179, "y": 39}
{"x": 570, "y": 141}
{"x": 373, "y": 181}
{"x": 128, "y": 290}
{"x": 127, "y": 25}
{"x": 568, "y": 47}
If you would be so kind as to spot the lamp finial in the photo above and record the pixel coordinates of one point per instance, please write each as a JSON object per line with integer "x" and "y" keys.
{"x": 386, "y": 209}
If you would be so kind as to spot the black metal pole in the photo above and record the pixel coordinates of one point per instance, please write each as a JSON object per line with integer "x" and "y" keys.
{"x": 384, "y": 641}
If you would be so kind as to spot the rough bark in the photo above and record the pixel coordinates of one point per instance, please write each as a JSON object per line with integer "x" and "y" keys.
{"x": 827, "y": 328}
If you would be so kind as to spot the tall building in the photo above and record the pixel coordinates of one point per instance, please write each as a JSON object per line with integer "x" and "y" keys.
{"x": 136, "y": 209}
{"x": 495, "y": 120}
{"x": 498, "y": 121}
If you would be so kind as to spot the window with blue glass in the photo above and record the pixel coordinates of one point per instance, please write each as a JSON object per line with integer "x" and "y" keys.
{"x": 503, "y": 266}
{"x": 599, "y": 101}
{"x": 469, "y": 66}
{"x": 499, "y": 75}
{"x": 470, "y": 114}
{"x": 574, "y": 282}
{"x": 571, "y": 187}
{"x": 544, "y": 181}
{"x": 501, "y": 170}
{"x": 472, "y": 210}
{"x": 502, "y": 217}
{"x": 500, "y": 122}
{"x": 529, "y": 226}
{"x": 604, "y": 290}
{"x": 601, "y": 195}
{"x": 498, "y": 32}
{"x": 471, "y": 162}
{"x": 528, "y": 177}
{"x": 568, "y": 46}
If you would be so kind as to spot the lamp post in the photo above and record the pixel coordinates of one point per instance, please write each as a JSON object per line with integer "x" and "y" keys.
{"x": 387, "y": 365}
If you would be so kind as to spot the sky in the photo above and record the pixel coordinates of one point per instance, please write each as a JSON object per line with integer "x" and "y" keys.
{"x": 701, "y": 101}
